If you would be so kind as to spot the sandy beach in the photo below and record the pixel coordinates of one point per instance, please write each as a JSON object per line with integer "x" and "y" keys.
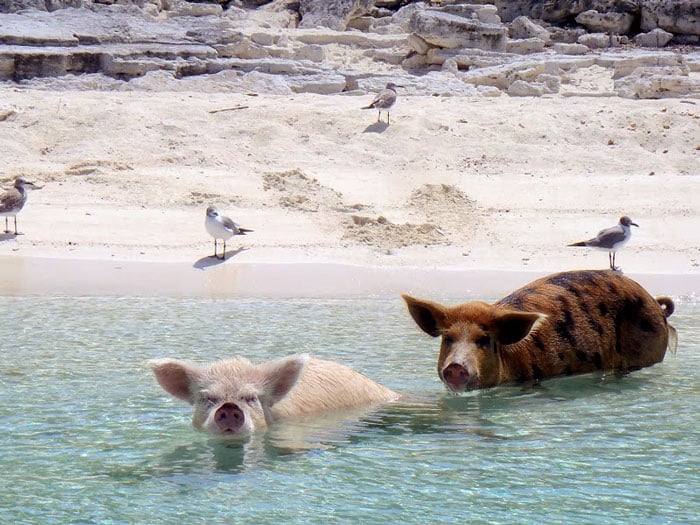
{"x": 472, "y": 193}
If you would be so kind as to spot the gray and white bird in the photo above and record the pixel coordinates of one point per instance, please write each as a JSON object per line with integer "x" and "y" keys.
{"x": 221, "y": 227}
{"x": 384, "y": 101}
{"x": 13, "y": 200}
{"x": 611, "y": 239}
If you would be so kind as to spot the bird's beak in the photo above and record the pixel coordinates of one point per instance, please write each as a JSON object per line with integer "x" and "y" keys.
{"x": 634, "y": 224}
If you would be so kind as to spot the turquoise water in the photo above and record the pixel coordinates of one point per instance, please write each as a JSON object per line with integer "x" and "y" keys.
{"x": 89, "y": 437}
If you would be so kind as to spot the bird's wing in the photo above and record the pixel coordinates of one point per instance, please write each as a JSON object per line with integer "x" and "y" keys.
{"x": 229, "y": 224}
{"x": 386, "y": 98}
{"x": 10, "y": 199}
{"x": 609, "y": 236}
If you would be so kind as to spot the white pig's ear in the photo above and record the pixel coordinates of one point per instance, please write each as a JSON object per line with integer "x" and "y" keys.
{"x": 176, "y": 376}
{"x": 281, "y": 376}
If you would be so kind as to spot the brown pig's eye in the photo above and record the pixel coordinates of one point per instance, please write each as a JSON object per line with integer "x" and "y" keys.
{"x": 448, "y": 339}
{"x": 484, "y": 341}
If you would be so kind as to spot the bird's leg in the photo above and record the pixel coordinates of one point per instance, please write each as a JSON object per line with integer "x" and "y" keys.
{"x": 379, "y": 117}
{"x": 612, "y": 264}
{"x": 215, "y": 249}
{"x": 16, "y": 225}
{"x": 7, "y": 230}
{"x": 223, "y": 256}
{"x": 387, "y": 118}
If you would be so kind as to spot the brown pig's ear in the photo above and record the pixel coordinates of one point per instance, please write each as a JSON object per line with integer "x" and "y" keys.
{"x": 510, "y": 326}
{"x": 176, "y": 377}
{"x": 429, "y": 316}
{"x": 281, "y": 376}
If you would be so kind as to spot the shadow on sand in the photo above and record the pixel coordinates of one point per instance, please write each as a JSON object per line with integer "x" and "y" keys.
{"x": 377, "y": 127}
{"x": 6, "y": 236}
{"x": 210, "y": 260}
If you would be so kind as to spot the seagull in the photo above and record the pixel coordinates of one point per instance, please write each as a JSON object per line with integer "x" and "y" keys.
{"x": 384, "y": 101}
{"x": 611, "y": 239}
{"x": 221, "y": 227}
{"x": 13, "y": 200}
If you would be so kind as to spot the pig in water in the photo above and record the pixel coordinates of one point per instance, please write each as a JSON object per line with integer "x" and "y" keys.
{"x": 235, "y": 397}
{"x": 563, "y": 324}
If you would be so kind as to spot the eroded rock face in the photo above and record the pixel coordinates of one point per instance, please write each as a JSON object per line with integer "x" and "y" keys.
{"x": 658, "y": 82}
{"x": 611, "y": 22}
{"x": 674, "y": 16}
{"x": 453, "y": 49}
{"x": 522, "y": 28}
{"x": 332, "y": 14}
{"x": 654, "y": 38}
{"x": 451, "y": 31}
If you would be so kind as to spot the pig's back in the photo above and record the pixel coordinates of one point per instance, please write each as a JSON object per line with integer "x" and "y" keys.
{"x": 325, "y": 385}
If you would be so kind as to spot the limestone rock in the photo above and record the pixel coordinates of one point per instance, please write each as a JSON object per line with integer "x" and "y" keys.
{"x": 522, "y": 27}
{"x": 570, "y": 49}
{"x": 521, "y": 88}
{"x": 488, "y": 14}
{"x": 611, "y": 22}
{"x": 564, "y": 11}
{"x": 451, "y": 31}
{"x": 655, "y": 82}
{"x": 182, "y": 8}
{"x": 321, "y": 83}
{"x": 332, "y": 14}
{"x": 601, "y": 40}
{"x": 566, "y": 35}
{"x": 674, "y": 16}
{"x": 525, "y": 46}
{"x": 419, "y": 45}
{"x": 626, "y": 66}
{"x": 551, "y": 83}
{"x": 654, "y": 38}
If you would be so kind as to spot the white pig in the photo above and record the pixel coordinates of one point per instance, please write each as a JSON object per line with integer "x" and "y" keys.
{"x": 235, "y": 397}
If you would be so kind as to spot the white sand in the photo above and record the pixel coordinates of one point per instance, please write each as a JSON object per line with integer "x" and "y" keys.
{"x": 469, "y": 187}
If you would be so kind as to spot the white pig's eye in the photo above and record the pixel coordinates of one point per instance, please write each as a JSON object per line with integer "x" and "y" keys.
{"x": 211, "y": 400}
{"x": 250, "y": 399}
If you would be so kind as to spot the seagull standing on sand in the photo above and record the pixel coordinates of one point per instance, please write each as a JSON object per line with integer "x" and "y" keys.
{"x": 384, "y": 101}
{"x": 221, "y": 227}
{"x": 611, "y": 239}
{"x": 13, "y": 200}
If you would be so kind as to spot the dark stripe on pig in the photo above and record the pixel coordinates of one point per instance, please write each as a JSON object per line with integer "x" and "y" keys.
{"x": 598, "y": 360}
{"x": 646, "y": 325}
{"x": 536, "y": 372}
{"x": 565, "y": 326}
{"x": 596, "y": 326}
{"x": 538, "y": 343}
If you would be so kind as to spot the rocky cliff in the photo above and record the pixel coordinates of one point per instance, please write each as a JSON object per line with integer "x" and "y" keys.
{"x": 523, "y": 48}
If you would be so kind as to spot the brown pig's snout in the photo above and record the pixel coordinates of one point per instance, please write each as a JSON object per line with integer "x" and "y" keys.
{"x": 229, "y": 417}
{"x": 456, "y": 376}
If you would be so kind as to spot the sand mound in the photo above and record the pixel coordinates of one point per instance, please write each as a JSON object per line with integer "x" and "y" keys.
{"x": 297, "y": 191}
{"x": 385, "y": 235}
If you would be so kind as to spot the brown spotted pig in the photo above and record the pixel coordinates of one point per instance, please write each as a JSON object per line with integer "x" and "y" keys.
{"x": 234, "y": 397}
{"x": 566, "y": 323}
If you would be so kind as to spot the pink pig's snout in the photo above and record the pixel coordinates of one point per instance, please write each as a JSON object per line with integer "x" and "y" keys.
{"x": 456, "y": 377}
{"x": 229, "y": 418}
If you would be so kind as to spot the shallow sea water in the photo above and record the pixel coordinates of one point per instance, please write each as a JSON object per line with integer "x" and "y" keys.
{"x": 89, "y": 437}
